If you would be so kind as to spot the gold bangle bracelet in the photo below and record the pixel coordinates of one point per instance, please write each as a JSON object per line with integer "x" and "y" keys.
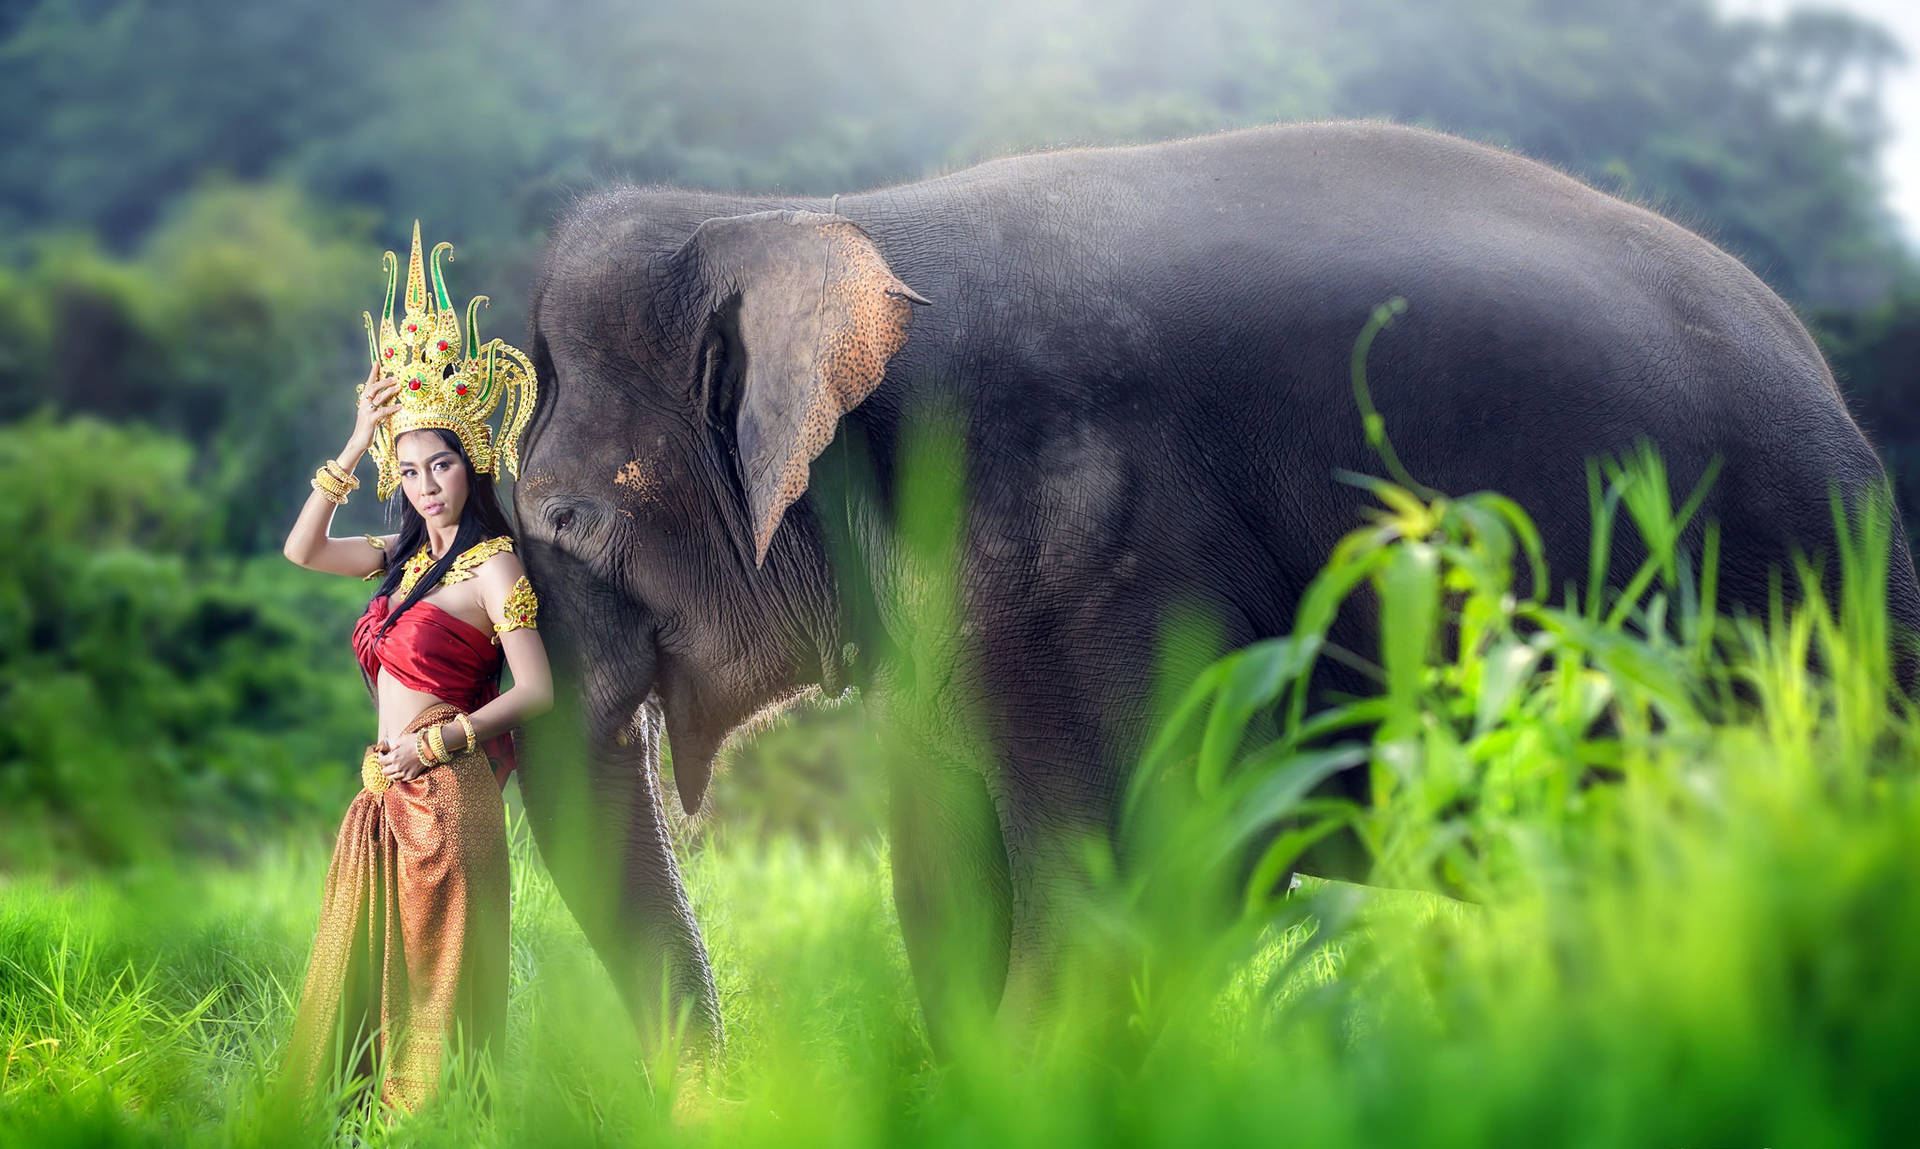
{"x": 423, "y": 750}
{"x": 327, "y": 481}
{"x": 345, "y": 477}
{"x": 466, "y": 727}
{"x": 437, "y": 739}
{"x": 338, "y": 499}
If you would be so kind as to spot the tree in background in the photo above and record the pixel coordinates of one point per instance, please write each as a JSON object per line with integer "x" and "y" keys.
{"x": 155, "y": 693}
{"x": 482, "y": 113}
{"x": 228, "y": 328}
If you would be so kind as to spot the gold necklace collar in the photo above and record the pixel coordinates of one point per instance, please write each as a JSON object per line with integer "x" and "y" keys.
{"x": 463, "y": 568}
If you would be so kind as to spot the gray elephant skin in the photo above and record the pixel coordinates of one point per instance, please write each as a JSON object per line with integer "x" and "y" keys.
{"x": 1145, "y": 355}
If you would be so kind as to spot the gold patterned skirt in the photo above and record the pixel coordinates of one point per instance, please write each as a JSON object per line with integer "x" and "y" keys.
{"x": 410, "y": 961}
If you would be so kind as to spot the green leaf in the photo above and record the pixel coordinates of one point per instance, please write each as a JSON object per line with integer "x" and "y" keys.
{"x": 1409, "y": 589}
{"x": 1502, "y": 672}
{"x": 1252, "y": 681}
{"x": 1285, "y": 850}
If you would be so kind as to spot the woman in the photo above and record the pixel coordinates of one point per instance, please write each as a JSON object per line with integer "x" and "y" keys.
{"x": 410, "y": 961}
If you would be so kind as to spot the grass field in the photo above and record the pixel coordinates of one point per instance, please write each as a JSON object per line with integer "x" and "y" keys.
{"x": 1690, "y": 842}
{"x": 1763, "y": 990}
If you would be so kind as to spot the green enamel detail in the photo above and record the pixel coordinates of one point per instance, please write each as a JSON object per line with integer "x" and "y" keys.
{"x": 486, "y": 392}
{"x": 440, "y": 284}
{"x": 473, "y": 326}
{"x": 391, "y": 263}
{"x": 373, "y": 342}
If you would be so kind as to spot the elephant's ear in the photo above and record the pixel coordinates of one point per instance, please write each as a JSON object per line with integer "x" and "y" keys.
{"x": 820, "y": 314}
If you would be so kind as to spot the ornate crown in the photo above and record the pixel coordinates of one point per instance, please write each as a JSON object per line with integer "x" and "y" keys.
{"x": 445, "y": 381}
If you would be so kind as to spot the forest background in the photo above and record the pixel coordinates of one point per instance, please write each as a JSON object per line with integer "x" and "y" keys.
{"x": 194, "y": 196}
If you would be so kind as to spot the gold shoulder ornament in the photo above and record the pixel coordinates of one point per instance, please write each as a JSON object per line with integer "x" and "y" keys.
{"x": 521, "y": 608}
{"x": 447, "y": 381}
{"x": 468, "y": 563}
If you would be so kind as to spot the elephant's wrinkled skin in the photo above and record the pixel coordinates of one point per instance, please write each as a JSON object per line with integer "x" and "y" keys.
{"x": 1148, "y": 352}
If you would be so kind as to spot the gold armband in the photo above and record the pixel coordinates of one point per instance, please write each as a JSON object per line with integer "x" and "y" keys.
{"x": 378, "y": 544}
{"x": 520, "y": 608}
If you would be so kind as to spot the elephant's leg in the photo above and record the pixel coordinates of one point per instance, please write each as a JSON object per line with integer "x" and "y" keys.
{"x": 950, "y": 888}
{"x": 602, "y": 831}
{"x": 1048, "y": 835}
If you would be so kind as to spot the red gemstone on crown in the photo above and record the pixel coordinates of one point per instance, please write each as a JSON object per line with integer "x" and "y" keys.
{"x": 443, "y": 345}
{"x": 389, "y": 352}
{"x": 413, "y": 327}
{"x": 460, "y": 390}
{"x": 413, "y": 384}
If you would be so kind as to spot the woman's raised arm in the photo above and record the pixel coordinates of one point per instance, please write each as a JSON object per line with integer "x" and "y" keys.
{"x": 308, "y": 543}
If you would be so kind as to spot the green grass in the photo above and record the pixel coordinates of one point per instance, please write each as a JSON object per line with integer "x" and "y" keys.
{"x": 1759, "y": 989}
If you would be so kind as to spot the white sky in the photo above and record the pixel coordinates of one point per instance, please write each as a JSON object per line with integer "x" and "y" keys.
{"x": 1901, "y": 97}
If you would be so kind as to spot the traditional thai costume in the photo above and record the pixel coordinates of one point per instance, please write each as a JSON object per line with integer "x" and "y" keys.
{"x": 411, "y": 954}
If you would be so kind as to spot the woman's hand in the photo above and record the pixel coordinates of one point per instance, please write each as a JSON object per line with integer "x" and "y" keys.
{"x": 378, "y": 399}
{"x": 399, "y": 763}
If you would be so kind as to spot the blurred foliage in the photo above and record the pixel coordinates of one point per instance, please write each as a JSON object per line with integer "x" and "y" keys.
{"x": 1737, "y": 129}
{"x": 480, "y": 114}
{"x": 222, "y": 329}
{"x": 154, "y": 694}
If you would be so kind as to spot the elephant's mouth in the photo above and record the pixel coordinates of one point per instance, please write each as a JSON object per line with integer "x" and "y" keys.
{"x": 694, "y": 746}
{"x": 694, "y": 736}
{"x": 706, "y": 714}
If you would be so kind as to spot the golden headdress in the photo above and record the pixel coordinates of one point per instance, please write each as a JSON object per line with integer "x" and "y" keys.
{"x": 445, "y": 381}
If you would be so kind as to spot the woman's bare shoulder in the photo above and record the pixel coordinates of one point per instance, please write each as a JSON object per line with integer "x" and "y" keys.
{"x": 497, "y": 575}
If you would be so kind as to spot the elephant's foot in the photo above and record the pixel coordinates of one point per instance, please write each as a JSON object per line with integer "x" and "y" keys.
{"x": 695, "y": 1104}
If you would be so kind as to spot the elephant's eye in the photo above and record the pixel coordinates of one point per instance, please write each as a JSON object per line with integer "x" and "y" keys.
{"x": 562, "y": 519}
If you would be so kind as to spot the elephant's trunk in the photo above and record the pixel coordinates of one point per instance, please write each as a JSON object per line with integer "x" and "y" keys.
{"x": 593, "y": 798}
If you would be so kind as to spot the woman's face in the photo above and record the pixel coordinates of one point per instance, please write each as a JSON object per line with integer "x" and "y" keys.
{"x": 433, "y": 476}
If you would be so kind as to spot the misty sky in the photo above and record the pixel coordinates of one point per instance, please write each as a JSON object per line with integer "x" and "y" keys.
{"x": 1902, "y": 96}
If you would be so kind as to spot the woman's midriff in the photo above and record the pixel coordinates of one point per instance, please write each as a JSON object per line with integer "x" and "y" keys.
{"x": 399, "y": 706}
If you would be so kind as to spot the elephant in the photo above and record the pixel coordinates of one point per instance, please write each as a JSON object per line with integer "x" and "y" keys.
{"x": 1143, "y": 353}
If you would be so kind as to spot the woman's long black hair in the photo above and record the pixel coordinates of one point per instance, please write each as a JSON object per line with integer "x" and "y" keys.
{"x": 482, "y": 518}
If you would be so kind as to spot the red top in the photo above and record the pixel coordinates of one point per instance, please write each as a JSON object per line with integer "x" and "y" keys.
{"x": 435, "y": 652}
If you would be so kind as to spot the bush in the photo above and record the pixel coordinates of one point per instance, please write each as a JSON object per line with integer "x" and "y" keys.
{"x": 151, "y": 695}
